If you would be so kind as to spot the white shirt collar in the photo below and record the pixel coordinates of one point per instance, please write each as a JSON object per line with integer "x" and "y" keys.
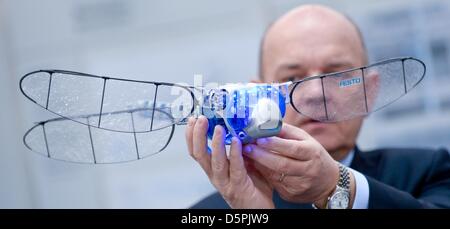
{"x": 348, "y": 159}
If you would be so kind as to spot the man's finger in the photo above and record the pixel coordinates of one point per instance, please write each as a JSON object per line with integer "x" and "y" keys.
{"x": 219, "y": 160}
{"x": 277, "y": 163}
{"x": 189, "y": 134}
{"x": 292, "y": 132}
{"x": 200, "y": 144}
{"x": 274, "y": 178}
{"x": 296, "y": 149}
{"x": 267, "y": 173}
{"x": 238, "y": 173}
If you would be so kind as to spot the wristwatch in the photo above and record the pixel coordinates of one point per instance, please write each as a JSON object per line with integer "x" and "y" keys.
{"x": 340, "y": 198}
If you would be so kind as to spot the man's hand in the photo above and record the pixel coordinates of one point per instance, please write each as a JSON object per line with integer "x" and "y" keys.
{"x": 310, "y": 173}
{"x": 241, "y": 187}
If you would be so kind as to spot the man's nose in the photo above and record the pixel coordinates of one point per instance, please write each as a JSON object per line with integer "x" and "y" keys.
{"x": 309, "y": 98}
{"x": 314, "y": 90}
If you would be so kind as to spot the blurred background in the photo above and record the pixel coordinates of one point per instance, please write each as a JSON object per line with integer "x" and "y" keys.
{"x": 172, "y": 40}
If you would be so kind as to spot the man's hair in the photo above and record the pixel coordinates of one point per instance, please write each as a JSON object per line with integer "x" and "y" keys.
{"x": 262, "y": 41}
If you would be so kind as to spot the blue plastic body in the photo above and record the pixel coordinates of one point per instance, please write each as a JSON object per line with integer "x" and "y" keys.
{"x": 239, "y": 108}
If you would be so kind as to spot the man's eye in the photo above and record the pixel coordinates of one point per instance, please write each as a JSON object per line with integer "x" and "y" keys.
{"x": 290, "y": 78}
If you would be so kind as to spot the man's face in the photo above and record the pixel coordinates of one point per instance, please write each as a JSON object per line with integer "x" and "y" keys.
{"x": 300, "y": 48}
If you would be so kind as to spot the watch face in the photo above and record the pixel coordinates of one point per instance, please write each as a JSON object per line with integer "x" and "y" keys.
{"x": 339, "y": 200}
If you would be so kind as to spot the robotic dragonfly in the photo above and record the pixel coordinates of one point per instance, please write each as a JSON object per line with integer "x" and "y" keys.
{"x": 108, "y": 120}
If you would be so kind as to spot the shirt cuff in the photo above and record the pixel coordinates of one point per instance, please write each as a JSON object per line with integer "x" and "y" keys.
{"x": 361, "y": 191}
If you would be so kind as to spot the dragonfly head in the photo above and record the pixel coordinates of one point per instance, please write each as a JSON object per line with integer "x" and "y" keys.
{"x": 246, "y": 111}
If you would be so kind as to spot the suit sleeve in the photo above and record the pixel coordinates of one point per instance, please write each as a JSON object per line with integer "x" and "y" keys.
{"x": 434, "y": 193}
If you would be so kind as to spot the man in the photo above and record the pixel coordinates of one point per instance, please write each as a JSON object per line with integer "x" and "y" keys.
{"x": 312, "y": 164}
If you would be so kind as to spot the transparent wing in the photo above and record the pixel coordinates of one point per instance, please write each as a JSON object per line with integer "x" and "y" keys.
{"x": 63, "y": 139}
{"x": 357, "y": 92}
{"x": 71, "y": 94}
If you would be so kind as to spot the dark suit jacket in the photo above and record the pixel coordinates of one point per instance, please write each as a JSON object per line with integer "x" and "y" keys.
{"x": 398, "y": 178}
